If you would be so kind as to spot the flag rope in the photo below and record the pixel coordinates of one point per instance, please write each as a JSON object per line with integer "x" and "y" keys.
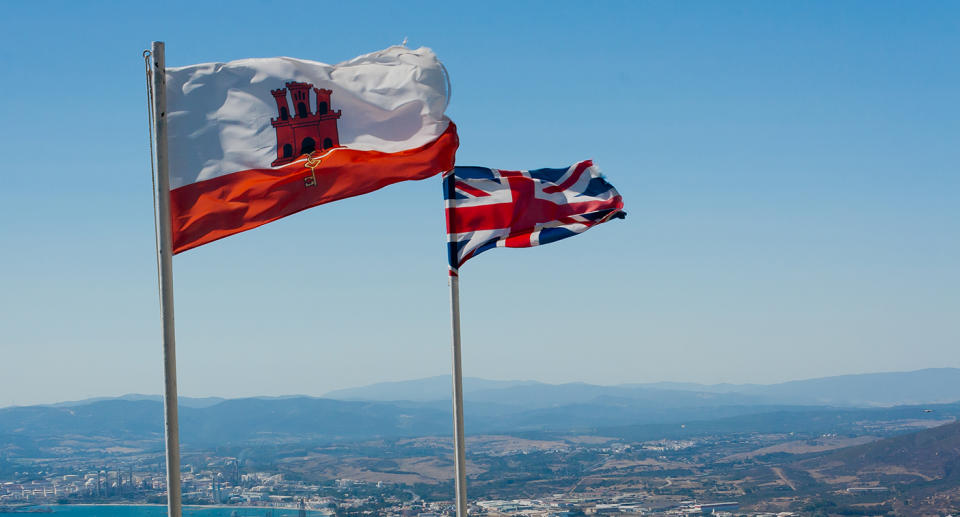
{"x": 153, "y": 171}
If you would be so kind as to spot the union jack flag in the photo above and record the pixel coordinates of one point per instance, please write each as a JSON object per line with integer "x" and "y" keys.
{"x": 489, "y": 208}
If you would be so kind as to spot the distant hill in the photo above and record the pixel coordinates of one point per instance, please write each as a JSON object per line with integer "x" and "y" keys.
{"x": 929, "y": 386}
{"x": 194, "y": 402}
{"x": 909, "y": 473}
{"x": 789, "y": 419}
{"x": 314, "y": 419}
{"x": 927, "y": 455}
{"x": 307, "y": 419}
{"x": 932, "y": 385}
{"x": 230, "y": 421}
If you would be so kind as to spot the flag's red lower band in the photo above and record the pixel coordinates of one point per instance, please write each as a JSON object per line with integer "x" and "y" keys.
{"x": 212, "y": 209}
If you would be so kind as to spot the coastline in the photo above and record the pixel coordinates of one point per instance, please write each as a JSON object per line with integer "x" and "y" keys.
{"x": 281, "y": 507}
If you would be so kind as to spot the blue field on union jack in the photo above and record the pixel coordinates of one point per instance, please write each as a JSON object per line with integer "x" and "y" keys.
{"x": 489, "y": 208}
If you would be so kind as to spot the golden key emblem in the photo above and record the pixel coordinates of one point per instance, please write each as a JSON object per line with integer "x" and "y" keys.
{"x": 312, "y": 164}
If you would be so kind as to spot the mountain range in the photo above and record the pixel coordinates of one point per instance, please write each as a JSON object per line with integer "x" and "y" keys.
{"x": 932, "y": 385}
{"x": 422, "y": 408}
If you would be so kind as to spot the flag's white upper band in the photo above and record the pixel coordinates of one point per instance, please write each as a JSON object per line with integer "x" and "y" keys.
{"x": 219, "y": 113}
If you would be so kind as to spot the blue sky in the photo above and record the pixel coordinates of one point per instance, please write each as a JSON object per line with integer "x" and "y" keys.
{"x": 790, "y": 172}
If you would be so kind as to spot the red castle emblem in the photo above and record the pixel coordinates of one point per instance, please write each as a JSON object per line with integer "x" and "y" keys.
{"x": 306, "y": 131}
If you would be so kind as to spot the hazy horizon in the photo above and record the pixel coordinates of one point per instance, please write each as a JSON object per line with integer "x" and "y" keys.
{"x": 227, "y": 396}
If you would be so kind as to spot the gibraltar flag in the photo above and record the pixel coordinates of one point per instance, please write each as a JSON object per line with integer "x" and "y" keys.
{"x": 255, "y": 140}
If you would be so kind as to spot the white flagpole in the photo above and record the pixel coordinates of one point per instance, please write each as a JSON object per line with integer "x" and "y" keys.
{"x": 165, "y": 273}
{"x": 460, "y": 461}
